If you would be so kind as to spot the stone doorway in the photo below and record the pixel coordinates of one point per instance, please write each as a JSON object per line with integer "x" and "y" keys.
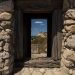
{"x": 24, "y": 37}
{"x": 49, "y": 8}
{"x": 32, "y": 9}
{"x": 27, "y": 32}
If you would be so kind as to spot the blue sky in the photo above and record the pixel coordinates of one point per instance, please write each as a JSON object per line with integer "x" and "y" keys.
{"x": 38, "y": 25}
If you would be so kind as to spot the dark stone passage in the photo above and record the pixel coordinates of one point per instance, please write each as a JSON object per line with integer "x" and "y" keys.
{"x": 27, "y": 32}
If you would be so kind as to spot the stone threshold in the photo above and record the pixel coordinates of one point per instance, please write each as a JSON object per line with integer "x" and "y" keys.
{"x": 42, "y": 63}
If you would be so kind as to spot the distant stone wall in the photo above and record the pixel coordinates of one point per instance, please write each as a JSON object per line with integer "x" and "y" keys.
{"x": 6, "y": 38}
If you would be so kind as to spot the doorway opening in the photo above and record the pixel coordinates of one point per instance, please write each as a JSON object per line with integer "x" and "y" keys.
{"x": 37, "y": 39}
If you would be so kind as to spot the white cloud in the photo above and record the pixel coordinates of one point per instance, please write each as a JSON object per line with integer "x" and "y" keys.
{"x": 38, "y": 22}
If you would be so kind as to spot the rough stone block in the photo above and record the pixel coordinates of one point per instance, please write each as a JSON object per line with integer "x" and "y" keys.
{"x": 1, "y": 60}
{"x": 67, "y": 63}
{"x": 6, "y": 38}
{"x": 5, "y": 23}
{"x": 1, "y": 54}
{"x": 1, "y": 28}
{"x": 72, "y": 29}
{"x": 69, "y": 55}
{"x": 36, "y": 73}
{"x": 5, "y": 55}
{"x": 1, "y": 65}
{"x": 6, "y": 47}
{"x": 6, "y": 70}
{"x": 57, "y": 72}
{"x": 71, "y": 42}
{"x": 69, "y": 22}
{"x": 64, "y": 71}
{"x": 70, "y": 14}
{"x": 49, "y": 72}
{"x": 9, "y": 31}
{"x": 73, "y": 72}
{"x": 9, "y": 61}
{"x": 42, "y": 70}
{"x": 67, "y": 28}
{"x": 1, "y": 43}
{"x": 1, "y": 48}
{"x": 5, "y": 16}
{"x": 26, "y": 71}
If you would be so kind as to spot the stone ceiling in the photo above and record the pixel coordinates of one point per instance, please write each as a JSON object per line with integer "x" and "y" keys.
{"x": 39, "y": 4}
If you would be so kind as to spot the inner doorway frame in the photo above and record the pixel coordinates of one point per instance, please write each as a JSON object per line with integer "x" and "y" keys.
{"x": 28, "y": 18}
{"x": 19, "y": 51}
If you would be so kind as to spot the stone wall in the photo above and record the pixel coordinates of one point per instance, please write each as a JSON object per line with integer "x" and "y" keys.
{"x": 67, "y": 54}
{"x": 6, "y": 38}
{"x": 68, "y": 50}
{"x": 6, "y": 44}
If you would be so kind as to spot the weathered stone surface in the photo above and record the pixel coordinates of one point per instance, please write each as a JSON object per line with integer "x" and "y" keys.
{"x": 6, "y": 38}
{"x": 1, "y": 43}
{"x": 73, "y": 72}
{"x": 49, "y": 72}
{"x": 36, "y": 73}
{"x": 63, "y": 30}
{"x": 6, "y": 70}
{"x": 72, "y": 29}
{"x": 69, "y": 55}
{"x": 70, "y": 14}
{"x": 67, "y": 28}
{"x": 1, "y": 54}
{"x": 71, "y": 42}
{"x": 42, "y": 70}
{"x": 1, "y": 48}
{"x": 64, "y": 71}
{"x": 26, "y": 71}
{"x": 9, "y": 61}
{"x": 31, "y": 70}
{"x": 5, "y": 16}
{"x": 8, "y": 31}
{"x": 1, "y": 65}
{"x": 67, "y": 63}
{"x": 68, "y": 34}
{"x": 1, "y": 60}
{"x": 6, "y": 67}
{"x": 6, "y": 47}
{"x": 1, "y": 28}
{"x": 69, "y": 22}
{"x": 60, "y": 71}
{"x": 5, "y": 55}
{"x": 19, "y": 73}
{"x": 4, "y": 23}
{"x": 65, "y": 38}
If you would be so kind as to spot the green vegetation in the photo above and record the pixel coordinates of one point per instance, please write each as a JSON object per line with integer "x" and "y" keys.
{"x": 33, "y": 37}
{"x": 38, "y": 40}
{"x": 42, "y": 41}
